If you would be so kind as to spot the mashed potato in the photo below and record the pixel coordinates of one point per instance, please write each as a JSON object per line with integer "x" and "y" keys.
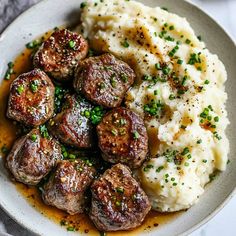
{"x": 179, "y": 92}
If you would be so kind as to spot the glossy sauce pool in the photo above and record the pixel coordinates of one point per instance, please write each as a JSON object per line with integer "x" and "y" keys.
{"x": 81, "y": 222}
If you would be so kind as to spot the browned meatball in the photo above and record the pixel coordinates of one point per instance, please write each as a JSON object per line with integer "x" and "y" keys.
{"x": 118, "y": 202}
{"x": 60, "y": 53}
{"x": 33, "y": 156}
{"x": 67, "y": 185}
{"x": 72, "y": 126}
{"x": 31, "y": 99}
{"x": 103, "y": 80}
{"x": 123, "y": 138}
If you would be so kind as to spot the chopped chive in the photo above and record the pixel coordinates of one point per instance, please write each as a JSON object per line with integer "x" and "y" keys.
{"x": 185, "y": 151}
{"x": 186, "y": 164}
{"x": 72, "y": 44}
{"x": 165, "y": 9}
{"x": 114, "y": 132}
{"x": 118, "y": 203}
{"x": 199, "y": 37}
{"x": 180, "y": 62}
{"x": 70, "y": 228}
{"x": 136, "y": 135}
{"x": 187, "y": 41}
{"x": 87, "y": 114}
{"x": 125, "y": 44}
{"x": 199, "y": 141}
{"x": 155, "y": 92}
{"x": 20, "y": 89}
{"x": 72, "y": 156}
{"x": 158, "y": 170}
{"x": 158, "y": 66}
{"x": 83, "y": 5}
{"x": 33, "y": 137}
{"x": 120, "y": 190}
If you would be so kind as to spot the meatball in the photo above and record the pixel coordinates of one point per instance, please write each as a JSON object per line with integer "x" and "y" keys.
{"x": 72, "y": 126}
{"x": 60, "y": 53}
{"x": 33, "y": 156}
{"x": 103, "y": 80}
{"x": 118, "y": 202}
{"x": 122, "y": 138}
{"x": 31, "y": 99}
{"x": 67, "y": 185}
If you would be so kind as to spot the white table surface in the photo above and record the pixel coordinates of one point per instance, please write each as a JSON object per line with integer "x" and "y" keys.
{"x": 224, "y": 223}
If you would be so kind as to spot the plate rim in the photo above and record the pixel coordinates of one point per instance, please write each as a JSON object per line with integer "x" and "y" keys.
{"x": 220, "y": 206}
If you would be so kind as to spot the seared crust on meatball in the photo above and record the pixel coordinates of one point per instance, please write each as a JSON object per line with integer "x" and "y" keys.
{"x": 60, "y": 53}
{"x": 122, "y": 138}
{"x": 32, "y": 157}
{"x": 118, "y": 202}
{"x": 103, "y": 80}
{"x": 31, "y": 99}
{"x": 67, "y": 185}
{"x": 72, "y": 125}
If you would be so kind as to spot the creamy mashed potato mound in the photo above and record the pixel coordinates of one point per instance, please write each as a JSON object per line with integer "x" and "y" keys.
{"x": 179, "y": 91}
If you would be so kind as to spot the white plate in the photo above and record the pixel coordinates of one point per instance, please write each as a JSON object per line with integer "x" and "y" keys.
{"x": 50, "y": 13}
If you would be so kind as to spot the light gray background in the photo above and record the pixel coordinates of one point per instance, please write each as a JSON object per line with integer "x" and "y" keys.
{"x": 224, "y": 11}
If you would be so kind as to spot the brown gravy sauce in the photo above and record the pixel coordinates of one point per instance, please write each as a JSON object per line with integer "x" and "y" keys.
{"x": 80, "y": 222}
